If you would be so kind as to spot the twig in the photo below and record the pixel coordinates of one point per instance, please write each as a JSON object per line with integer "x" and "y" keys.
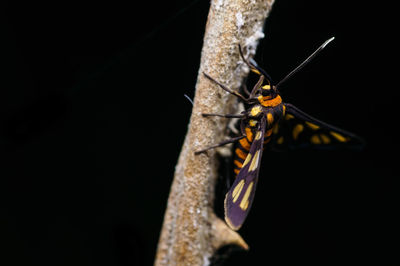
{"x": 191, "y": 232}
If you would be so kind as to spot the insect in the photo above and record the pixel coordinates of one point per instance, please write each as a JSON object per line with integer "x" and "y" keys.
{"x": 270, "y": 122}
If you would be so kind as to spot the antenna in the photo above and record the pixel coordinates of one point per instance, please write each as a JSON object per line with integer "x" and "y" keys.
{"x": 253, "y": 65}
{"x": 305, "y": 62}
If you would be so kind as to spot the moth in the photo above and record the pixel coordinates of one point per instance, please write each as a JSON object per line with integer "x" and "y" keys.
{"x": 270, "y": 123}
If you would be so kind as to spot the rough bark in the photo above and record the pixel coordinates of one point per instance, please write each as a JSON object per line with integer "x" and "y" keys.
{"x": 191, "y": 232}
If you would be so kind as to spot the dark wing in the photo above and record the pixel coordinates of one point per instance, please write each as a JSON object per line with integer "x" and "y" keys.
{"x": 300, "y": 130}
{"x": 240, "y": 197}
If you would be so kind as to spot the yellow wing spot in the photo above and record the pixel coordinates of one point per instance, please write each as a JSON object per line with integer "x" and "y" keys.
{"x": 252, "y": 122}
{"x": 248, "y": 158}
{"x": 288, "y": 116}
{"x": 237, "y": 190}
{"x": 241, "y": 154}
{"x": 338, "y": 136}
{"x": 315, "y": 139}
{"x": 275, "y": 129}
{"x": 297, "y": 130}
{"x": 258, "y": 135}
{"x": 283, "y": 109}
{"x": 270, "y": 118}
{"x": 280, "y": 140}
{"x": 325, "y": 139}
{"x": 249, "y": 134}
{"x": 244, "y": 204}
{"x": 256, "y": 110}
{"x": 254, "y": 162}
{"x": 312, "y": 125}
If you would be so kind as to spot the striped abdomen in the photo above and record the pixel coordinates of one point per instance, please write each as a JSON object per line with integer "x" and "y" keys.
{"x": 241, "y": 152}
{"x": 243, "y": 147}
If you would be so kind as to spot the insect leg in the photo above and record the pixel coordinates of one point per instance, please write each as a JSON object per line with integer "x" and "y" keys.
{"x": 219, "y": 144}
{"x": 226, "y": 88}
{"x": 245, "y": 90}
{"x": 225, "y": 115}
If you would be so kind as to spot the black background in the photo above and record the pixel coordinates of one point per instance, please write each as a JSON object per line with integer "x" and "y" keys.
{"x": 93, "y": 118}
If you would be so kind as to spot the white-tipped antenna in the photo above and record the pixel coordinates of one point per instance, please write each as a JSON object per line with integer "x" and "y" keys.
{"x": 326, "y": 42}
{"x": 305, "y": 61}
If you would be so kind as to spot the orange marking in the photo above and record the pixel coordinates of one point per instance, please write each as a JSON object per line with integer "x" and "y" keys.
{"x": 237, "y": 163}
{"x": 270, "y": 118}
{"x": 267, "y": 140}
{"x": 268, "y": 133}
{"x": 249, "y": 134}
{"x": 241, "y": 154}
{"x": 236, "y": 171}
{"x": 265, "y": 101}
{"x": 245, "y": 144}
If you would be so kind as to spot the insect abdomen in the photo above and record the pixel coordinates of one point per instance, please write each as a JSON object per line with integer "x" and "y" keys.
{"x": 242, "y": 150}
{"x": 240, "y": 156}
{"x": 243, "y": 146}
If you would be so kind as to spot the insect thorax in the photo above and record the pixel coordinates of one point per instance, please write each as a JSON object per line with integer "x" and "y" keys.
{"x": 272, "y": 108}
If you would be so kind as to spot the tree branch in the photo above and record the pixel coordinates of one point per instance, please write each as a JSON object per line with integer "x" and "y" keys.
{"x": 191, "y": 232}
